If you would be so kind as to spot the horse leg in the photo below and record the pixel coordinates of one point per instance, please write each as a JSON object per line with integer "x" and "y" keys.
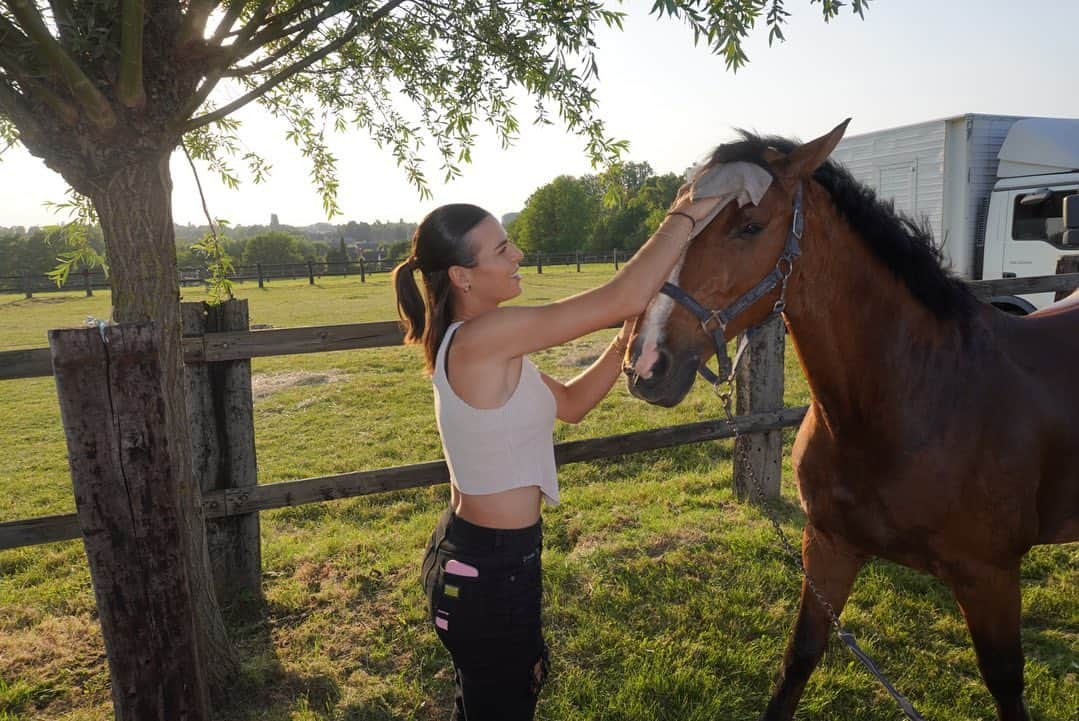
{"x": 833, "y": 564}
{"x": 991, "y": 605}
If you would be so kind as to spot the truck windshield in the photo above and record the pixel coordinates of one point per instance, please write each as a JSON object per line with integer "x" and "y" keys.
{"x": 1040, "y": 220}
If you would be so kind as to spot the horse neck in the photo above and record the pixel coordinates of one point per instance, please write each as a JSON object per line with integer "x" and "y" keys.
{"x": 863, "y": 340}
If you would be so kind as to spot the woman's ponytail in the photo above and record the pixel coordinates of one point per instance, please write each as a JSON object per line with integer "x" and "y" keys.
{"x": 410, "y": 305}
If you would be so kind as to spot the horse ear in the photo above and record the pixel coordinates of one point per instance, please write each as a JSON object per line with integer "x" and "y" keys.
{"x": 803, "y": 160}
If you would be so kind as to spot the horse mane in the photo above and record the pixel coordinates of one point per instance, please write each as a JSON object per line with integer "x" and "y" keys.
{"x": 904, "y": 245}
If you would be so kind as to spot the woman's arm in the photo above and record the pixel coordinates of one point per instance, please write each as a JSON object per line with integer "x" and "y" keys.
{"x": 580, "y": 395}
{"x": 515, "y": 331}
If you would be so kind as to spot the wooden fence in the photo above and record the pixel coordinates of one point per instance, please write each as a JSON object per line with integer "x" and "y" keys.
{"x": 759, "y": 414}
{"x": 88, "y": 281}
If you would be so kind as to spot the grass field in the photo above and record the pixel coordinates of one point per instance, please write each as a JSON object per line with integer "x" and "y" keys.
{"x": 665, "y": 599}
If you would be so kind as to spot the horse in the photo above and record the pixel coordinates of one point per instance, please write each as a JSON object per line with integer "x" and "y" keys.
{"x": 942, "y": 433}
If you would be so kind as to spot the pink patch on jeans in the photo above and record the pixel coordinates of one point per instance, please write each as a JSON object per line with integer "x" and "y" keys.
{"x": 442, "y": 623}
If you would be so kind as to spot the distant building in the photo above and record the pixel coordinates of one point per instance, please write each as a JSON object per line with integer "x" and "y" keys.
{"x": 274, "y": 223}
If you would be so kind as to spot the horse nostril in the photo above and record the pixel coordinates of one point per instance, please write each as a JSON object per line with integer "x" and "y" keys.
{"x": 662, "y": 364}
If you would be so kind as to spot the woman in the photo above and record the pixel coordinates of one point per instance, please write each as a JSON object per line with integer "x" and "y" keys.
{"x": 496, "y": 413}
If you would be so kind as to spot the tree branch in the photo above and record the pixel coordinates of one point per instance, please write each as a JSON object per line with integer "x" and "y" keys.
{"x": 86, "y": 94}
{"x": 355, "y": 29}
{"x": 194, "y": 21}
{"x": 13, "y": 105}
{"x": 269, "y": 36}
{"x": 226, "y": 23}
{"x": 213, "y": 77}
{"x": 129, "y": 90}
{"x": 68, "y": 113}
{"x": 64, "y": 14}
{"x": 272, "y": 58}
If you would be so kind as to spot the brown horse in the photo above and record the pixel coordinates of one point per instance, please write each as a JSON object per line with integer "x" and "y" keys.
{"x": 942, "y": 434}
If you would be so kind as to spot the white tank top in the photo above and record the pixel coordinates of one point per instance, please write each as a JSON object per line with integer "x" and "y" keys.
{"x": 496, "y": 449}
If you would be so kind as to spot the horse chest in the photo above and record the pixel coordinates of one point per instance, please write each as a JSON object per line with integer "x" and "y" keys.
{"x": 844, "y": 493}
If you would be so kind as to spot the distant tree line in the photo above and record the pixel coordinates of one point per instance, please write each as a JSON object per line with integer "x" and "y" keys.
{"x": 36, "y": 250}
{"x": 619, "y": 208}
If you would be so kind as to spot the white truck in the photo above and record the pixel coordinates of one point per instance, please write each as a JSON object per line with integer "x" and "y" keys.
{"x": 992, "y": 188}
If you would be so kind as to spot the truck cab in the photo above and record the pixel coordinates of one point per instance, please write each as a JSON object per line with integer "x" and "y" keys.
{"x": 1026, "y": 222}
{"x": 1025, "y": 233}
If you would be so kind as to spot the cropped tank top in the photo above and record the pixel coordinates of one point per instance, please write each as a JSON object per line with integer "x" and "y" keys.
{"x": 496, "y": 449}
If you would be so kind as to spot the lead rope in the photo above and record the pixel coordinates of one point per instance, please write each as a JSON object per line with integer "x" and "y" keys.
{"x": 844, "y": 635}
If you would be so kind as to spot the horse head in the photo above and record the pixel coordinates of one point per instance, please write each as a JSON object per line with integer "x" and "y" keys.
{"x": 736, "y": 269}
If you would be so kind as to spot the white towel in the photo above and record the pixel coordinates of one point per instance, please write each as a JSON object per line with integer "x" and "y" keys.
{"x": 743, "y": 182}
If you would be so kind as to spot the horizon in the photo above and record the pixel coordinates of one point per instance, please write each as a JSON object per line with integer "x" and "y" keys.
{"x": 885, "y": 71}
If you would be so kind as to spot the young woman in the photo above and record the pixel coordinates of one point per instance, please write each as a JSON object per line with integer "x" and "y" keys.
{"x": 496, "y": 413}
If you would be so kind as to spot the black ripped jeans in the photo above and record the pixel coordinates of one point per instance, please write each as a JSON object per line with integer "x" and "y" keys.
{"x": 486, "y": 611}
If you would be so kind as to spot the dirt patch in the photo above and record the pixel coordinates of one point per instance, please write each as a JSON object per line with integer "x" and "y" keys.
{"x": 266, "y": 384}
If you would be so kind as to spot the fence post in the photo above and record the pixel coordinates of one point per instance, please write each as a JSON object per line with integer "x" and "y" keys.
{"x": 363, "y": 271}
{"x": 616, "y": 258}
{"x": 27, "y": 285}
{"x": 259, "y": 267}
{"x": 86, "y": 282}
{"x": 129, "y": 514}
{"x": 759, "y": 388}
{"x": 539, "y": 262}
{"x": 577, "y": 256}
{"x": 223, "y": 449}
{"x": 310, "y": 274}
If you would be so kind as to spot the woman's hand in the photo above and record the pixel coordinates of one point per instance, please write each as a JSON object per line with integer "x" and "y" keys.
{"x": 699, "y": 210}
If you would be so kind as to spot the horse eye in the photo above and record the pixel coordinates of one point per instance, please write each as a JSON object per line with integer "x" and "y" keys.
{"x": 752, "y": 228}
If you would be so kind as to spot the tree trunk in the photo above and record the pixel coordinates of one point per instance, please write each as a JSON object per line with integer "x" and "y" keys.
{"x": 134, "y": 206}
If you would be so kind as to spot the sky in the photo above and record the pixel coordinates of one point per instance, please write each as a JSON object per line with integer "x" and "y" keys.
{"x": 908, "y": 61}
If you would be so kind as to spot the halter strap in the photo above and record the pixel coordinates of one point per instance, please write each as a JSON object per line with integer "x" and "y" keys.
{"x": 723, "y": 317}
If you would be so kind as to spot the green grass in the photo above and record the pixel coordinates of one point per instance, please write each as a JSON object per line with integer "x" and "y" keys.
{"x": 665, "y": 598}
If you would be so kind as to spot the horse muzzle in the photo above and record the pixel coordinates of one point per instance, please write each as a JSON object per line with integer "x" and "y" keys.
{"x": 667, "y": 382}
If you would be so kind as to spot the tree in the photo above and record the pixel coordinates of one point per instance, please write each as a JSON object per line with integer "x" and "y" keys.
{"x": 273, "y": 248}
{"x": 105, "y": 91}
{"x": 338, "y": 254}
{"x": 557, "y": 218}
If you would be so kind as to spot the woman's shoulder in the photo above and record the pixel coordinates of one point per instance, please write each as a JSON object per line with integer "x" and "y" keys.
{"x": 479, "y": 339}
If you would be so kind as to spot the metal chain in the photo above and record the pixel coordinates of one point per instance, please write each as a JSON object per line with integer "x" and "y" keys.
{"x": 845, "y": 636}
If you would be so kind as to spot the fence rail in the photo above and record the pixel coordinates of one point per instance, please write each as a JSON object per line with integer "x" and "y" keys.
{"x": 235, "y": 502}
{"x": 36, "y": 362}
{"x": 89, "y": 281}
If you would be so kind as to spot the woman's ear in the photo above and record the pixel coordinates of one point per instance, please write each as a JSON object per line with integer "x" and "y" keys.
{"x": 460, "y": 277}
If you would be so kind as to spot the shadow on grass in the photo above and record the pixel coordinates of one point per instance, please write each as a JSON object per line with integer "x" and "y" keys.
{"x": 264, "y": 689}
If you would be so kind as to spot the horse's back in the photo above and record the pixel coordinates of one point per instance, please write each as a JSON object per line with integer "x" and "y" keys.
{"x": 1044, "y": 348}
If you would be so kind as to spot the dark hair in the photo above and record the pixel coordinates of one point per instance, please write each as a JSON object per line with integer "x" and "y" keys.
{"x": 438, "y": 243}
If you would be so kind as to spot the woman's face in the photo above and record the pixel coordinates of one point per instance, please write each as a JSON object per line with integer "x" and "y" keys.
{"x": 496, "y": 276}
